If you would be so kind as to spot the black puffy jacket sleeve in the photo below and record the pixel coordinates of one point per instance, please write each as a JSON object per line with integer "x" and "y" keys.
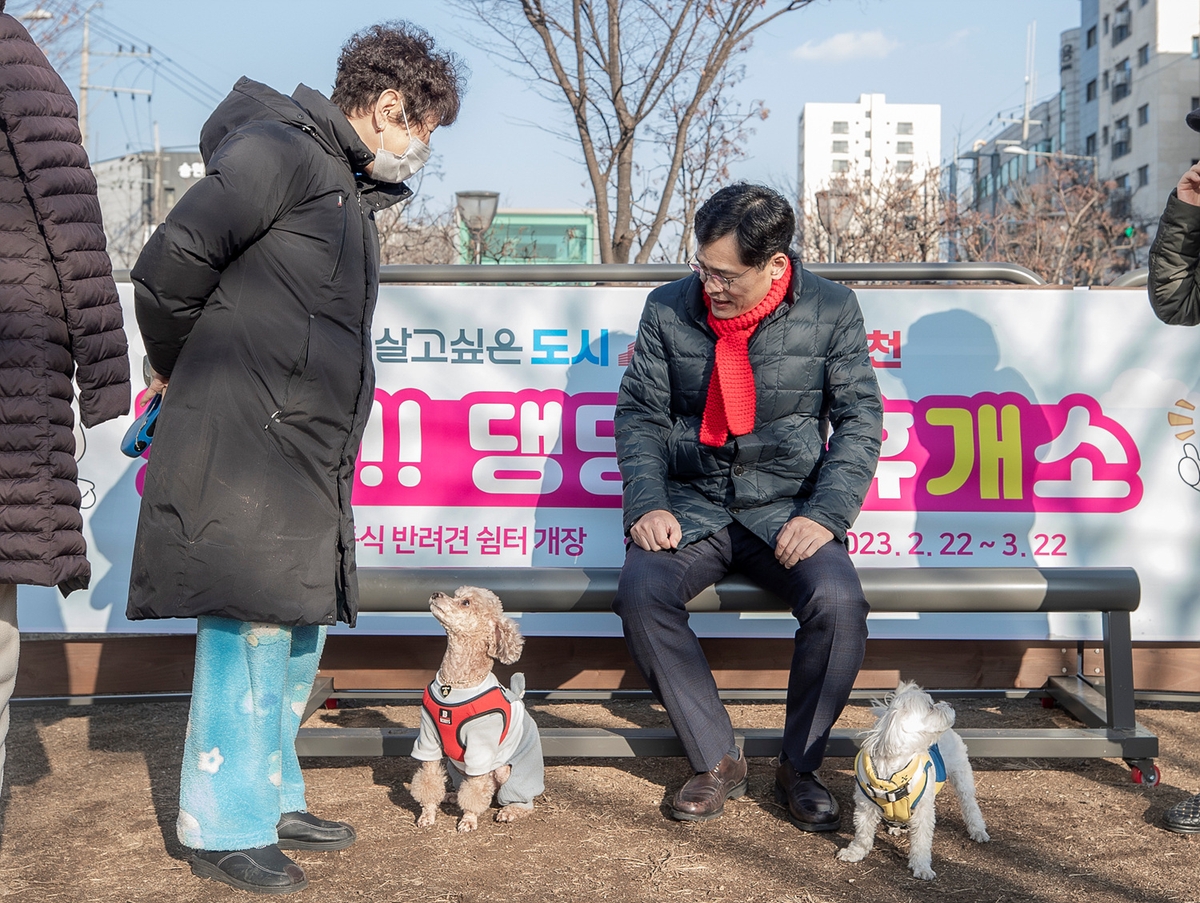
{"x": 642, "y": 423}
{"x": 856, "y": 413}
{"x": 244, "y": 190}
{"x": 1173, "y": 283}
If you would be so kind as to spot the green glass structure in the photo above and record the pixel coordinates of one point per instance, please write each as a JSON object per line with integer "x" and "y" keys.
{"x": 550, "y": 237}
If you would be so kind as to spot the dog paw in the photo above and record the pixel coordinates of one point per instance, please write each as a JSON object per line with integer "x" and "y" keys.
{"x": 467, "y": 823}
{"x": 924, "y": 872}
{"x": 979, "y": 835}
{"x": 512, "y": 813}
{"x": 426, "y": 818}
{"x": 851, "y": 854}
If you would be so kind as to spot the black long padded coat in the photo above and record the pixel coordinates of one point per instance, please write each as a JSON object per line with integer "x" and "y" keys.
{"x": 59, "y": 316}
{"x": 255, "y": 298}
{"x": 811, "y": 368}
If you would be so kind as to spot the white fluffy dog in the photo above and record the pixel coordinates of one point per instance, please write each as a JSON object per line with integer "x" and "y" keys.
{"x": 902, "y": 764}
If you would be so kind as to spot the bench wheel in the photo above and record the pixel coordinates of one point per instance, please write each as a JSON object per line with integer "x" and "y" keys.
{"x": 1048, "y": 702}
{"x": 331, "y": 703}
{"x": 1146, "y": 773}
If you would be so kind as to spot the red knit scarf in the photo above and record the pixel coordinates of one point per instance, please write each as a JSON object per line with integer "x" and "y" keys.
{"x": 731, "y": 403}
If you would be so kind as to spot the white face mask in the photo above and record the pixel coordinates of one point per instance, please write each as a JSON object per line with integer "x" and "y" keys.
{"x": 390, "y": 167}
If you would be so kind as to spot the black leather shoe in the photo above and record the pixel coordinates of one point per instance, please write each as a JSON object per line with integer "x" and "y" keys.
{"x": 1184, "y": 818}
{"x": 263, "y": 870}
{"x": 703, "y": 797}
{"x": 808, "y": 801}
{"x": 304, "y": 831}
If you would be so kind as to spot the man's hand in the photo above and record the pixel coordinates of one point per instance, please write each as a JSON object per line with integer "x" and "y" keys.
{"x": 1189, "y": 186}
{"x": 799, "y": 539}
{"x": 656, "y": 531}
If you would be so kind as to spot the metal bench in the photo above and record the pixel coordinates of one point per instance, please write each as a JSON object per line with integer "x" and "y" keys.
{"x": 1109, "y": 727}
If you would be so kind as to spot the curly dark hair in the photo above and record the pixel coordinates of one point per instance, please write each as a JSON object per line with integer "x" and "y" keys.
{"x": 401, "y": 56}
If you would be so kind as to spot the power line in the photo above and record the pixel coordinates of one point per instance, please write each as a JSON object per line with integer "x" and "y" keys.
{"x": 172, "y": 71}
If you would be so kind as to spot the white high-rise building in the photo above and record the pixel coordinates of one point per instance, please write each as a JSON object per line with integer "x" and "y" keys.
{"x": 1139, "y": 78}
{"x": 871, "y": 138}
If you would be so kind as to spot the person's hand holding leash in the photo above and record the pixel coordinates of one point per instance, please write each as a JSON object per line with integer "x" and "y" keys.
{"x": 158, "y": 384}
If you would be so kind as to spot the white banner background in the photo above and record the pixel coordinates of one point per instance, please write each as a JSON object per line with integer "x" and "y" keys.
{"x": 447, "y": 482}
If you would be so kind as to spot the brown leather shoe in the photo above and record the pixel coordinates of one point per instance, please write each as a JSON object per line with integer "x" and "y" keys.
{"x": 808, "y": 801}
{"x": 703, "y": 797}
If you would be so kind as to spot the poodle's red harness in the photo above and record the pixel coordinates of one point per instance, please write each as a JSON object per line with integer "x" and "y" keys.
{"x": 452, "y": 717}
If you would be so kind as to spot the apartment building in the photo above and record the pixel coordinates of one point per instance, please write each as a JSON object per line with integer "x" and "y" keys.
{"x": 1139, "y": 76}
{"x": 871, "y": 138}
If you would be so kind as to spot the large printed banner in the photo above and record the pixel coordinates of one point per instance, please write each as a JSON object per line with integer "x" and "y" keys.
{"x": 1022, "y": 426}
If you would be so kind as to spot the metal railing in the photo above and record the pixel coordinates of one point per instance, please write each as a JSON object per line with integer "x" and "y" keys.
{"x": 653, "y": 273}
{"x": 668, "y": 272}
{"x": 1132, "y": 279}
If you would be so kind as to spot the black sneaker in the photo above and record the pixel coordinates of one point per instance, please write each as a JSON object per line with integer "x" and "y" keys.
{"x": 263, "y": 870}
{"x": 304, "y": 831}
{"x": 1184, "y": 818}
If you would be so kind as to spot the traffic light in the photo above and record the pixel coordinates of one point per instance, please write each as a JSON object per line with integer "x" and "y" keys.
{"x": 1129, "y": 230}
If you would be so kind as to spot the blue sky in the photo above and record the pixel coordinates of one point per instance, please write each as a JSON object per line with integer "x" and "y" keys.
{"x": 967, "y": 55}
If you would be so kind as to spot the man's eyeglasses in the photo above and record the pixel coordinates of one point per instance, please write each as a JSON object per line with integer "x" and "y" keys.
{"x": 720, "y": 283}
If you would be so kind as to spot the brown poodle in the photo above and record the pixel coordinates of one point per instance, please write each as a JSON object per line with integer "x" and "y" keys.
{"x": 469, "y": 719}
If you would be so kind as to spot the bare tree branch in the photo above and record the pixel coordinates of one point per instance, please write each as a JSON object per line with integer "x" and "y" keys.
{"x": 624, "y": 68}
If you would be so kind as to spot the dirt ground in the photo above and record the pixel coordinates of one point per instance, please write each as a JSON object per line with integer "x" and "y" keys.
{"x": 91, "y": 810}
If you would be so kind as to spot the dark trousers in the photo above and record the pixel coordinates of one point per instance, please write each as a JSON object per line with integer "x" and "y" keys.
{"x": 825, "y": 596}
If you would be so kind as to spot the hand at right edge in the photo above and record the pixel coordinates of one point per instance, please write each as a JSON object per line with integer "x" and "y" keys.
{"x": 1188, "y": 189}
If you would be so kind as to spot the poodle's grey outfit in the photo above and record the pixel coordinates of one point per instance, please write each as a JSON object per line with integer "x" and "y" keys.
{"x": 486, "y": 744}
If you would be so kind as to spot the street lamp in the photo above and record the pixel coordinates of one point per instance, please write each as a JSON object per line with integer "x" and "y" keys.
{"x": 1026, "y": 152}
{"x": 835, "y": 211}
{"x": 35, "y": 15}
{"x": 477, "y": 209}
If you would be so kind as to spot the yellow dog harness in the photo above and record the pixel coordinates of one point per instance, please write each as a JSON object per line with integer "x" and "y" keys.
{"x": 899, "y": 794}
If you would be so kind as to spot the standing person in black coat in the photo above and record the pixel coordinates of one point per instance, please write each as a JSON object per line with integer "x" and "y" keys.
{"x": 726, "y": 465}
{"x": 255, "y": 300}
{"x": 59, "y": 316}
{"x": 1174, "y": 285}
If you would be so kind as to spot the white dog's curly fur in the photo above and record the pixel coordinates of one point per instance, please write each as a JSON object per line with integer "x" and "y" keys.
{"x": 908, "y": 725}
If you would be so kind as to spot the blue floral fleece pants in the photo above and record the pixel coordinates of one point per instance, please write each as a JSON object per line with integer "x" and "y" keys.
{"x": 240, "y": 770}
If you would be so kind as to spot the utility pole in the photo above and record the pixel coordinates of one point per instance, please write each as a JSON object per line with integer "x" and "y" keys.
{"x": 83, "y": 81}
{"x": 84, "y": 67}
{"x": 1030, "y": 84}
{"x": 952, "y": 203}
{"x": 156, "y": 202}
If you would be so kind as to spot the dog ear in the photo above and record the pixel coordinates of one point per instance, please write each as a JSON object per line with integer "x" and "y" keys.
{"x": 508, "y": 642}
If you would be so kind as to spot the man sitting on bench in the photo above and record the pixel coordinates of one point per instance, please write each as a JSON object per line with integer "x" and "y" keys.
{"x": 727, "y": 465}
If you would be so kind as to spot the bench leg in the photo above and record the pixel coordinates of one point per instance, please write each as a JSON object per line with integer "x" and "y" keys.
{"x": 322, "y": 689}
{"x": 1118, "y": 670}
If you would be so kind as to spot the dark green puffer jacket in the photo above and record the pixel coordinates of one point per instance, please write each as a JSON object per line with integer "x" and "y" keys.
{"x": 1173, "y": 283}
{"x": 811, "y": 368}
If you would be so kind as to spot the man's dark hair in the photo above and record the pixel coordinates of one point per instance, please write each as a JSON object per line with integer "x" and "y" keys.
{"x": 401, "y": 56}
{"x": 761, "y": 218}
